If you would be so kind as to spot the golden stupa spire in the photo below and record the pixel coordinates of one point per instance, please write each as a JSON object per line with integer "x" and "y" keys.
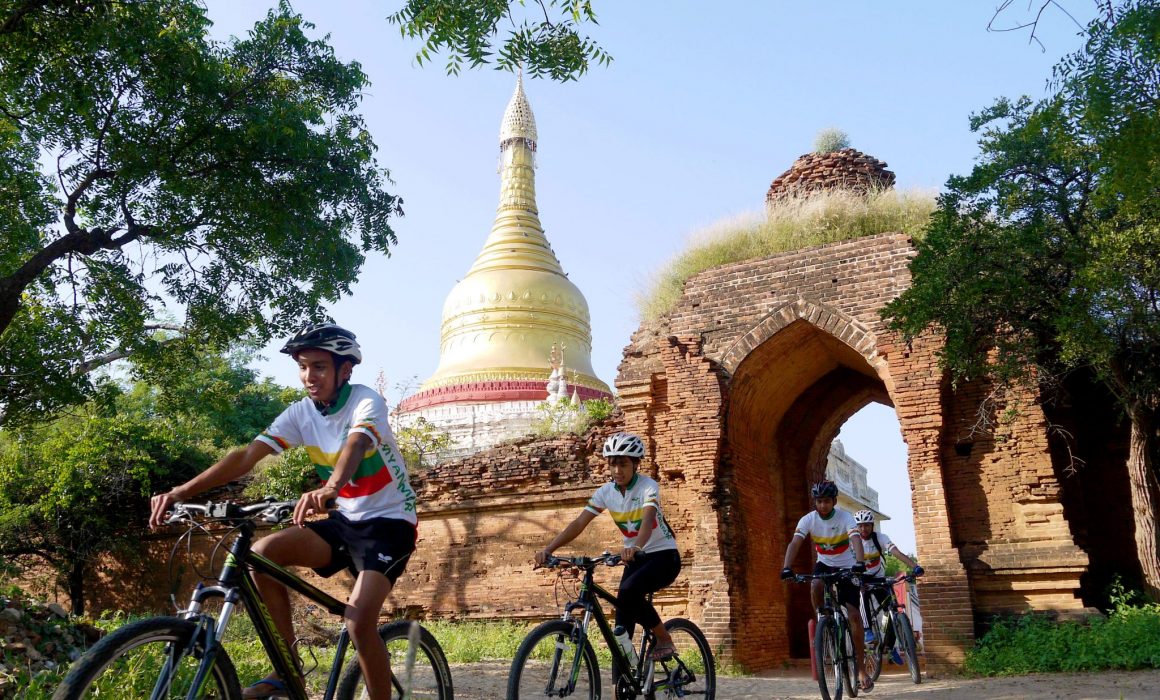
{"x": 500, "y": 321}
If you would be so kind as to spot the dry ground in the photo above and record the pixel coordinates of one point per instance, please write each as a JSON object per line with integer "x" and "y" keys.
{"x": 487, "y": 681}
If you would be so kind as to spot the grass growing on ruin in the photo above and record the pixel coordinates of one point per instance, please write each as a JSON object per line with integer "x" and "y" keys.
{"x": 793, "y": 224}
{"x": 1127, "y": 639}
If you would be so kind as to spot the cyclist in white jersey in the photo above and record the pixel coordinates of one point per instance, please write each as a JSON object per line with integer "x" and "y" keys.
{"x": 839, "y": 546}
{"x": 650, "y": 548}
{"x": 876, "y": 545}
{"x": 344, "y": 429}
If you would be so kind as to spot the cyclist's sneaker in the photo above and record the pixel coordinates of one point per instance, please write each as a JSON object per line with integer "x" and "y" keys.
{"x": 870, "y": 638}
{"x": 895, "y": 657}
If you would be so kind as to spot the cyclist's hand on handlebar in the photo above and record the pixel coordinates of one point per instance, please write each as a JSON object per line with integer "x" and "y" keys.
{"x": 316, "y": 501}
{"x": 542, "y": 557}
{"x": 786, "y": 574}
{"x": 859, "y": 568}
{"x": 159, "y": 505}
{"x": 629, "y": 553}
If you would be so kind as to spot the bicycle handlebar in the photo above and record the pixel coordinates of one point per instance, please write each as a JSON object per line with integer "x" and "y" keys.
{"x": 585, "y": 563}
{"x": 269, "y": 510}
{"x": 833, "y": 576}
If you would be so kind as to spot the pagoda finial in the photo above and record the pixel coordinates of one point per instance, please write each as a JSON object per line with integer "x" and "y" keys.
{"x": 518, "y": 120}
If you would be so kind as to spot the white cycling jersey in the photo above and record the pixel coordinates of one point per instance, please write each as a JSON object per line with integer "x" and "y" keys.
{"x": 628, "y": 511}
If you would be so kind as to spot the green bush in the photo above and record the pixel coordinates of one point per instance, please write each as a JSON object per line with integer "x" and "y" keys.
{"x": 1128, "y": 639}
{"x": 830, "y": 140}
{"x": 285, "y": 477}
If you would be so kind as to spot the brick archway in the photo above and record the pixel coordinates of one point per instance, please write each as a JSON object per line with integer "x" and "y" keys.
{"x": 740, "y": 390}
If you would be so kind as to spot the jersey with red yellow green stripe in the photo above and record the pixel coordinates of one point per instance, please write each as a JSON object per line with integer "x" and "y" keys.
{"x": 873, "y": 557}
{"x": 380, "y": 487}
{"x": 831, "y": 536}
{"x": 628, "y": 512}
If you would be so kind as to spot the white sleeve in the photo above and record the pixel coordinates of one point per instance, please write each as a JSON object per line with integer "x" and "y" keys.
{"x": 284, "y": 432}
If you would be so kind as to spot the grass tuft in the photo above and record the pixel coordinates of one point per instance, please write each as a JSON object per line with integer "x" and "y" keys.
{"x": 792, "y": 224}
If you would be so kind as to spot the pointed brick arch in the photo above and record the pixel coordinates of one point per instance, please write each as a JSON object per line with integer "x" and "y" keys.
{"x": 827, "y": 318}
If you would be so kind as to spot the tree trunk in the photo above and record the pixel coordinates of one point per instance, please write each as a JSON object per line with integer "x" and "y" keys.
{"x": 76, "y": 586}
{"x": 1145, "y": 495}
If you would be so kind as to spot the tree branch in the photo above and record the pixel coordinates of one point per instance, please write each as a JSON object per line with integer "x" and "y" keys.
{"x": 120, "y": 354}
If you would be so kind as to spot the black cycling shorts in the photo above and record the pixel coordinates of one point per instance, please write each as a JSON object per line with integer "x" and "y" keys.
{"x": 847, "y": 592}
{"x": 378, "y": 544}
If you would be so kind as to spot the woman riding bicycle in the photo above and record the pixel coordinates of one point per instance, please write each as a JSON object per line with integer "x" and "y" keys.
{"x": 875, "y": 545}
{"x": 650, "y": 548}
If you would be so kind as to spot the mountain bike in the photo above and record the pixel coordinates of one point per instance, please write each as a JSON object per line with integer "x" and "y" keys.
{"x": 182, "y": 656}
{"x": 833, "y": 641}
{"x": 891, "y": 626}
{"x": 557, "y": 659}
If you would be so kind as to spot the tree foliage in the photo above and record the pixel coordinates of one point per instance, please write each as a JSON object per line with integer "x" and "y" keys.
{"x": 145, "y": 167}
{"x": 1046, "y": 258}
{"x": 76, "y": 488}
{"x": 544, "y": 42}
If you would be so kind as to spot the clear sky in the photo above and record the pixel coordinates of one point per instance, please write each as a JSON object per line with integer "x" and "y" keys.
{"x": 704, "y": 104}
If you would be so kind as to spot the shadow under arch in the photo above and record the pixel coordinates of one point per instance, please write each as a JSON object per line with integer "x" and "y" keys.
{"x": 788, "y": 398}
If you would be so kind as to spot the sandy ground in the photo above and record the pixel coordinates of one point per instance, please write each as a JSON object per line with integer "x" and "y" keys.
{"x": 487, "y": 681}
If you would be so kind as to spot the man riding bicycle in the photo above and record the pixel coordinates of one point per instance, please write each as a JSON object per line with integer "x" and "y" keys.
{"x": 876, "y": 545}
{"x": 373, "y": 530}
{"x": 839, "y": 546}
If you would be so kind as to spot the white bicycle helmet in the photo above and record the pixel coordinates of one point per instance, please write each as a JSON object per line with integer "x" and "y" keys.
{"x": 624, "y": 444}
{"x": 325, "y": 336}
{"x": 864, "y": 516}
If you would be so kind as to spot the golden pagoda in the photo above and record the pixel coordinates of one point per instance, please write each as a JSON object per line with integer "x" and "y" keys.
{"x": 501, "y": 321}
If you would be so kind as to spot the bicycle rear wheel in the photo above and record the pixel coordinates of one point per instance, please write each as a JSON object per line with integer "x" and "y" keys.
{"x": 828, "y": 660}
{"x": 555, "y": 660}
{"x": 430, "y": 676}
{"x": 906, "y": 645}
{"x": 692, "y": 671}
{"x": 157, "y": 657}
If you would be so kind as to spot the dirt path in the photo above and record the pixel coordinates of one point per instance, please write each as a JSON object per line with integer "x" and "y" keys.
{"x": 487, "y": 681}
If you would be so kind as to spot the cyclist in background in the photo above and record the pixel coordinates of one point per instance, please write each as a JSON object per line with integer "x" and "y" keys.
{"x": 650, "y": 548}
{"x": 839, "y": 546}
{"x": 373, "y": 530}
{"x": 875, "y": 545}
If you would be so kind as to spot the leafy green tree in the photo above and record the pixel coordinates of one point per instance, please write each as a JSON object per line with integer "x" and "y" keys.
{"x": 421, "y": 443}
{"x": 73, "y": 489}
{"x": 145, "y": 167}
{"x": 1046, "y": 258}
{"x": 545, "y": 41}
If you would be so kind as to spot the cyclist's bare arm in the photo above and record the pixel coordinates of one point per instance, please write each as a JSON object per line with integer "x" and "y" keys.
{"x": 318, "y": 500}
{"x": 910, "y": 563}
{"x": 642, "y": 535}
{"x": 233, "y": 466}
{"x": 566, "y": 535}
{"x": 795, "y": 543}
{"x": 859, "y": 550}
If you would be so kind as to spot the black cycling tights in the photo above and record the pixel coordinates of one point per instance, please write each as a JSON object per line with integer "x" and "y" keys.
{"x": 646, "y": 573}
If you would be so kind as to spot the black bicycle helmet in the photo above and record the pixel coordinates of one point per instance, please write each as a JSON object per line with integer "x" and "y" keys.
{"x": 824, "y": 489}
{"x": 336, "y": 340}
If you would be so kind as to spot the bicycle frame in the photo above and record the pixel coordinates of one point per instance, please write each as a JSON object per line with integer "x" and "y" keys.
{"x": 236, "y": 584}
{"x": 587, "y": 600}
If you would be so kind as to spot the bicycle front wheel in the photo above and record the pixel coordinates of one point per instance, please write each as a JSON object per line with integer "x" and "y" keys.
{"x": 430, "y": 677}
{"x": 907, "y": 646}
{"x": 849, "y": 657}
{"x": 828, "y": 660}
{"x": 691, "y": 672}
{"x": 555, "y": 660}
{"x": 153, "y": 658}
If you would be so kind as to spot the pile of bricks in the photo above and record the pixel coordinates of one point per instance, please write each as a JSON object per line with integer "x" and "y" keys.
{"x": 848, "y": 169}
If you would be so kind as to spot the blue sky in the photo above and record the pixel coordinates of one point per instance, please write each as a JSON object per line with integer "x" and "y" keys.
{"x": 704, "y": 104}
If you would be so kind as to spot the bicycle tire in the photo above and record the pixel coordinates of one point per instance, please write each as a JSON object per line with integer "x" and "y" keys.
{"x": 872, "y": 663}
{"x": 827, "y": 659}
{"x": 546, "y": 654}
{"x": 849, "y": 658}
{"x": 905, "y": 634}
{"x": 692, "y": 672}
{"x": 430, "y": 679}
{"x": 127, "y": 664}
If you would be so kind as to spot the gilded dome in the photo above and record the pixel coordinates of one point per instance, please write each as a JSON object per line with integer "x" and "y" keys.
{"x": 501, "y": 320}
